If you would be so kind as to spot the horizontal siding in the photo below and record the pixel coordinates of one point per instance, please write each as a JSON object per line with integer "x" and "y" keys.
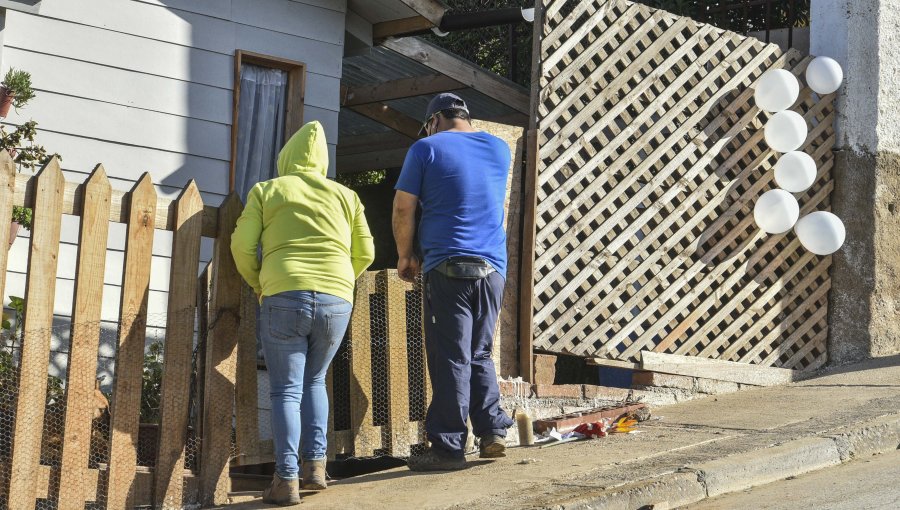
{"x": 146, "y": 86}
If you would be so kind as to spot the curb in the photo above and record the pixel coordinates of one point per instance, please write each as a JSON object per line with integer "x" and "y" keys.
{"x": 743, "y": 470}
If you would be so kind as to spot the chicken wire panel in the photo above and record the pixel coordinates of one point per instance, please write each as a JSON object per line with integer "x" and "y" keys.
{"x": 378, "y": 380}
{"x": 94, "y": 481}
{"x": 650, "y": 158}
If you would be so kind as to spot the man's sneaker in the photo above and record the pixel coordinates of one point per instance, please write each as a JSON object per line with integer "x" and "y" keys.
{"x": 282, "y": 492}
{"x": 435, "y": 459}
{"x": 492, "y": 447}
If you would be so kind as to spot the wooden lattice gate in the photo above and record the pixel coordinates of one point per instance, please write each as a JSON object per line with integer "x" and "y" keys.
{"x": 649, "y": 158}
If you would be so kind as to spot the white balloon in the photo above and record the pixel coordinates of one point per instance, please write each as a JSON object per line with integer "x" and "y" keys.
{"x": 786, "y": 131}
{"x": 776, "y": 211}
{"x": 824, "y": 75}
{"x": 821, "y": 232}
{"x": 776, "y": 90}
{"x": 795, "y": 171}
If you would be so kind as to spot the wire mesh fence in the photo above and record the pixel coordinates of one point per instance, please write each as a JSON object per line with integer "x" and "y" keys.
{"x": 59, "y": 440}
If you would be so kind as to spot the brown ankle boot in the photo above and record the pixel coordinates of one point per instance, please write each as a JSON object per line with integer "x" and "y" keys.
{"x": 314, "y": 475}
{"x": 282, "y": 492}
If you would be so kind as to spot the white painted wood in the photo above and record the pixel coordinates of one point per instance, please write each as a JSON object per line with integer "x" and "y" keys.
{"x": 376, "y": 11}
{"x": 336, "y": 5}
{"x": 114, "y": 123}
{"x": 322, "y": 58}
{"x": 359, "y": 27}
{"x": 51, "y": 73}
{"x": 159, "y": 22}
{"x": 215, "y": 8}
{"x": 127, "y": 163}
{"x": 715, "y": 369}
{"x": 292, "y": 18}
{"x": 81, "y": 42}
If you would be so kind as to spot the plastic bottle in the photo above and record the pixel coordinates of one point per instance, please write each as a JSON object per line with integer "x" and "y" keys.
{"x": 526, "y": 433}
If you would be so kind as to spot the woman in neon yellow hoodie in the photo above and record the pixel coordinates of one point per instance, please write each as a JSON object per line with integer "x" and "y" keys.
{"x": 315, "y": 243}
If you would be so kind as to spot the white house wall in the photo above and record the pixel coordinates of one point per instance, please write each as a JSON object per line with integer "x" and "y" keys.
{"x": 146, "y": 86}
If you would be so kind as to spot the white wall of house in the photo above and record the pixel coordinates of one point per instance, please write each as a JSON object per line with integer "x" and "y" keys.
{"x": 146, "y": 86}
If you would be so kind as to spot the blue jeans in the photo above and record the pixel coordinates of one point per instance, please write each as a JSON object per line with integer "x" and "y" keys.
{"x": 300, "y": 332}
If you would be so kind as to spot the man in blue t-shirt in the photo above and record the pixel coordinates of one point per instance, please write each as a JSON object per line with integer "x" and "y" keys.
{"x": 458, "y": 175}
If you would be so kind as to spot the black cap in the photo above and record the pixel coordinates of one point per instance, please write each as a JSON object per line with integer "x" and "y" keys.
{"x": 441, "y": 102}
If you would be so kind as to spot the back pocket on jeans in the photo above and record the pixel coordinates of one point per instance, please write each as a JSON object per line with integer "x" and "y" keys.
{"x": 285, "y": 323}
{"x": 337, "y": 325}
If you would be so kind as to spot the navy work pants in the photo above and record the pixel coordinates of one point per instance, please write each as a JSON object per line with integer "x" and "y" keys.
{"x": 460, "y": 318}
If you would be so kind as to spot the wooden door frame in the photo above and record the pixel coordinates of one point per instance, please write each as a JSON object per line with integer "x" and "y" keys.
{"x": 296, "y": 93}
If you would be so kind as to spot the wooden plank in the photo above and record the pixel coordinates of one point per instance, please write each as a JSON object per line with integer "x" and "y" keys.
{"x": 246, "y": 399}
{"x": 615, "y": 363}
{"x": 433, "y": 10}
{"x": 398, "y": 361}
{"x": 375, "y": 160}
{"x": 176, "y": 380}
{"x": 463, "y": 71}
{"x": 7, "y": 192}
{"x": 361, "y": 415}
{"x": 374, "y": 142}
{"x": 715, "y": 369}
{"x": 73, "y": 198}
{"x": 399, "y": 89}
{"x": 526, "y": 278}
{"x": 221, "y": 361}
{"x": 126, "y": 402}
{"x": 35, "y": 350}
{"x": 82, "y": 367}
{"x": 401, "y": 27}
{"x": 384, "y": 114}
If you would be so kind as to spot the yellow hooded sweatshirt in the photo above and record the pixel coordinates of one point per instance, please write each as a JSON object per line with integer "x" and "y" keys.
{"x": 313, "y": 233}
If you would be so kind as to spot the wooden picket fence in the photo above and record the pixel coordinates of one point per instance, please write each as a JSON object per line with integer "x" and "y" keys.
{"x": 647, "y": 155}
{"x": 381, "y": 366}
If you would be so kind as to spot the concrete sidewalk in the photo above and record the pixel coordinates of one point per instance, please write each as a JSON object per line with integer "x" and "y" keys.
{"x": 687, "y": 452}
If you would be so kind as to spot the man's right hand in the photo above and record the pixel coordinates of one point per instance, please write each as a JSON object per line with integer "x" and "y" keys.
{"x": 408, "y": 268}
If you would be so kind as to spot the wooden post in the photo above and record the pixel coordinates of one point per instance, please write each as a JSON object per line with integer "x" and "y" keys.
{"x": 246, "y": 399}
{"x": 39, "y": 296}
{"x": 126, "y": 403}
{"x": 361, "y": 423}
{"x": 77, "y": 485}
{"x": 397, "y": 361}
{"x": 176, "y": 381}
{"x": 526, "y": 278}
{"x": 7, "y": 192}
{"x": 221, "y": 362}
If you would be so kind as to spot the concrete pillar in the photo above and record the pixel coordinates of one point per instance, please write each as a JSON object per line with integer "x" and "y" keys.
{"x": 863, "y": 36}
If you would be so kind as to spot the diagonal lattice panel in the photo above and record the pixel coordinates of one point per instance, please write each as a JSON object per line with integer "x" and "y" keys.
{"x": 650, "y": 158}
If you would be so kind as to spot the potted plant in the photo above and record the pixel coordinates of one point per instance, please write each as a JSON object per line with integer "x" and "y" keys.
{"x": 15, "y": 90}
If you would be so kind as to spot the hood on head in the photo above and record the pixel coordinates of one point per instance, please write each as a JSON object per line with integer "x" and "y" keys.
{"x": 306, "y": 151}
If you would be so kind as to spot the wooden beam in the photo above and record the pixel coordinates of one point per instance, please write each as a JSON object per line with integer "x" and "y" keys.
{"x": 399, "y": 89}
{"x": 716, "y": 369}
{"x": 430, "y": 9}
{"x": 73, "y": 198}
{"x": 463, "y": 71}
{"x": 400, "y": 27}
{"x": 372, "y": 142}
{"x": 615, "y": 363}
{"x": 376, "y": 160}
{"x": 384, "y": 114}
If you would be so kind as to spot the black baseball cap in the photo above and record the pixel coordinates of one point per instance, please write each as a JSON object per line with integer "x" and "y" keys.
{"x": 441, "y": 102}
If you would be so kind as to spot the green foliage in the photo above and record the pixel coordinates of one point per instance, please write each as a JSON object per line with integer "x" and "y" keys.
{"x": 8, "y": 369}
{"x": 20, "y": 143}
{"x": 22, "y": 216}
{"x": 359, "y": 179}
{"x": 489, "y": 47}
{"x": 737, "y": 15}
{"x": 19, "y": 83}
{"x": 151, "y": 383}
